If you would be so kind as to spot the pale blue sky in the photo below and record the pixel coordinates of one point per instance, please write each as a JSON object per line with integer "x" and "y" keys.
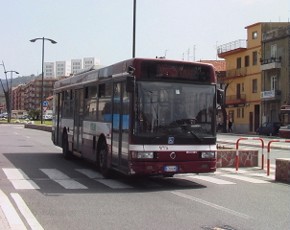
{"x": 103, "y": 28}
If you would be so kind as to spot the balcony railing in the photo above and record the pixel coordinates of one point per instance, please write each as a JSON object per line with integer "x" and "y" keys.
{"x": 236, "y": 99}
{"x": 237, "y": 72}
{"x": 271, "y": 63}
{"x": 231, "y": 46}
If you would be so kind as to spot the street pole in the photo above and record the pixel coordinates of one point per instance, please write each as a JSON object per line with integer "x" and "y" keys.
{"x": 42, "y": 73}
{"x": 10, "y": 95}
{"x": 134, "y": 27}
{"x": 42, "y": 78}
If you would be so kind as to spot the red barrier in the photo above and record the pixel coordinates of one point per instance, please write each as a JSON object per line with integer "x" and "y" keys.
{"x": 268, "y": 153}
{"x": 248, "y": 138}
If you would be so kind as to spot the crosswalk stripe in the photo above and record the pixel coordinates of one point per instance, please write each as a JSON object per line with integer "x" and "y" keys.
{"x": 90, "y": 173}
{"x": 19, "y": 179}
{"x": 247, "y": 179}
{"x": 114, "y": 184}
{"x": 212, "y": 180}
{"x": 63, "y": 179}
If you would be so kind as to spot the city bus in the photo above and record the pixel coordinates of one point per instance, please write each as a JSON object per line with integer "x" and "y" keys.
{"x": 140, "y": 117}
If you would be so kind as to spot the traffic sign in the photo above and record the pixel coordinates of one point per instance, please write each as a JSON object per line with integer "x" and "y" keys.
{"x": 45, "y": 104}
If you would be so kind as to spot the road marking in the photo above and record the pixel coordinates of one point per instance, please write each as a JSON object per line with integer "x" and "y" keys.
{"x": 19, "y": 179}
{"x": 212, "y": 205}
{"x": 211, "y": 179}
{"x": 62, "y": 179}
{"x": 247, "y": 179}
{"x": 114, "y": 184}
{"x": 25, "y": 211}
{"x": 90, "y": 173}
{"x": 10, "y": 213}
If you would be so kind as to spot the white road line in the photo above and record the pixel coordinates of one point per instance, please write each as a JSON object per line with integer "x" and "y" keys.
{"x": 90, "y": 173}
{"x": 62, "y": 179}
{"x": 19, "y": 179}
{"x": 11, "y": 215}
{"x": 233, "y": 170}
{"x": 113, "y": 184}
{"x": 212, "y": 205}
{"x": 270, "y": 177}
{"x": 247, "y": 179}
{"x": 25, "y": 211}
{"x": 211, "y": 179}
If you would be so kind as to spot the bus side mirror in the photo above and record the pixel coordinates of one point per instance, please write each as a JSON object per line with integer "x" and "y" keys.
{"x": 130, "y": 84}
{"x": 220, "y": 96}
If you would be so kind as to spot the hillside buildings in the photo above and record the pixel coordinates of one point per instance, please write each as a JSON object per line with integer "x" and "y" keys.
{"x": 66, "y": 68}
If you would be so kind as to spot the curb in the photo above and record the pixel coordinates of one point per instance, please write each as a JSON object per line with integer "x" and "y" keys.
{"x": 39, "y": 127}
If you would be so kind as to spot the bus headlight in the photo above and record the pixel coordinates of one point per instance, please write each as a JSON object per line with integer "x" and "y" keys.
{"x": 143, "y": 155}
{"x": 207, "y": 155}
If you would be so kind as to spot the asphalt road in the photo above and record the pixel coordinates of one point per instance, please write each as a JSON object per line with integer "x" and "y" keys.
{"x": 41, "y": 190}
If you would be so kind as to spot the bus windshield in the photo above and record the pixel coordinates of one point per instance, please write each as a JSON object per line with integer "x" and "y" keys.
{"x": 174, "y": 109}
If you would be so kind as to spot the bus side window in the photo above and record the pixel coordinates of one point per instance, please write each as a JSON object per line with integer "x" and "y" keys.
{"x": 91, "y": 102}
{"x": 105, "y": 105}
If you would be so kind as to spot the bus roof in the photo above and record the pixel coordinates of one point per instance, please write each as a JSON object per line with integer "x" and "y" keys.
{"x": 118, "y": 69}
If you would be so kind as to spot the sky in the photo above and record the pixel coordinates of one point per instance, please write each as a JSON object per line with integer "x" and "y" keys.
{"x": 178, "y": 29}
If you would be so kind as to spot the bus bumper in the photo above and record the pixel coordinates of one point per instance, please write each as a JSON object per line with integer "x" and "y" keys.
{"x": 169, "y": 168}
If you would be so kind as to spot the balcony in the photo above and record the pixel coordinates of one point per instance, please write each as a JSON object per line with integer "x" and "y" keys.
{"x": 271, "y": 95}
{"x": 241, "y": 72}
{"x": 231, "y": 48}
{"x": 271, "y": 63}
{"x": 236, "y": 100}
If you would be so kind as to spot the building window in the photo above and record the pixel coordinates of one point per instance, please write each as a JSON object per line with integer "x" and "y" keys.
{"x": 255, "y": 86}
{"x": 255, "y": 35}
{"x": 239, "y": 63}
{"x": 274, "y": 51}
{"x": 255, "y": 58}
{"x": 240, "y": 113}
{"x": 247, "y": 61}
{"x": 273, "y": 82}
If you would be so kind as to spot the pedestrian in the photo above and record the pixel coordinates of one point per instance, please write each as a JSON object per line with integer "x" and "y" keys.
{"x": 230, "y": 124}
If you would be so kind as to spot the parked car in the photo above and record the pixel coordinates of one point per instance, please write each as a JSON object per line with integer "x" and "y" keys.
{"x": 269, "y": 129}
{"x": 284, "y": 131}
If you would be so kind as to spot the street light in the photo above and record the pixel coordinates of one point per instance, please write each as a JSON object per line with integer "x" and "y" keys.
{"x": 42, "y": 73}
{"x": 10, "y": 94}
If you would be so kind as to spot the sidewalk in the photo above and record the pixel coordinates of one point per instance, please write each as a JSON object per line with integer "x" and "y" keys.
{"x": 253, "y": 141}
{"x": 3, "y": 221}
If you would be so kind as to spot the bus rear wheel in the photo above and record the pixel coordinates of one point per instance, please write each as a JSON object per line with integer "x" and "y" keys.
{"x": 103, "y": 160}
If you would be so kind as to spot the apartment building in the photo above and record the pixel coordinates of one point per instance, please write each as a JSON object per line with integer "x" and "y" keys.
{"x": 76, "y": 65}
{"x": 48, "y": 69}
{"x": 90, "y": 62}
{"x": 243, "y": 80}
{"x": 18, "y": 97}
{"x": 275, "y": 66}
{"x": 62, "y": 68}
{"x": 32, "y": 98}
{"x": 66, "y": 68}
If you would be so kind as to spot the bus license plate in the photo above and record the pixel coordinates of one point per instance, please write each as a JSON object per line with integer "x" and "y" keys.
{"x": 170, "y": 168}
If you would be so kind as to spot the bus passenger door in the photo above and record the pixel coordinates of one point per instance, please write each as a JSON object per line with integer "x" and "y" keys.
{"x": 120, "y": 125}
{"x": 78, "y": 120}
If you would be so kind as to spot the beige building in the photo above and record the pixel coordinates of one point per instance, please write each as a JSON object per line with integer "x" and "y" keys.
{"x": 243, "y": 80}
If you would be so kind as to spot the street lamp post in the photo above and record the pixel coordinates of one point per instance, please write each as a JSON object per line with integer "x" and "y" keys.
{"x": 10, "y": 94}
{"x": 134, "y": 29}
{"x": 42, "y": 73}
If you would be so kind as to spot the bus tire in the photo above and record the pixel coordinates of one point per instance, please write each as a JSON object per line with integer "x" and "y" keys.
{"x": 103, "y": 159}
{"x": 65, "y": 149}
